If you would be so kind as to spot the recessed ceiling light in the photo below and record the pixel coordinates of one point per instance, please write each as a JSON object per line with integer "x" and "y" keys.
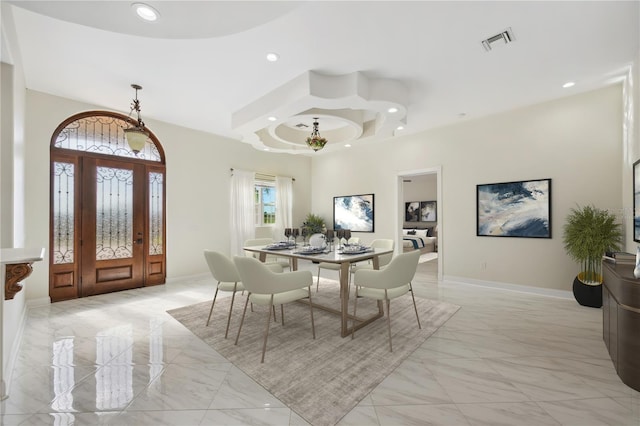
{"x": 568, "y": 84}
{"x": 400, "y": 128}
{"x": 347, "y": 145}
{"x": 272, "y": 118}
{"x": 272, "y": 57}
{"x": 145, "y": 12}
{"x": 392, "y": 110}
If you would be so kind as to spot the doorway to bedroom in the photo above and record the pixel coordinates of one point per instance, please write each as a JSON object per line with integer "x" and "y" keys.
{"x": 420, "y": 220}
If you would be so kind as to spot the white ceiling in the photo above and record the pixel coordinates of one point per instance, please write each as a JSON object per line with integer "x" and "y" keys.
{"x": 203, "y": 63}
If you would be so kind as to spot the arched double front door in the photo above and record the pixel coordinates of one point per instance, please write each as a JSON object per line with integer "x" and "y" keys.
{"x": 107, "y": 211}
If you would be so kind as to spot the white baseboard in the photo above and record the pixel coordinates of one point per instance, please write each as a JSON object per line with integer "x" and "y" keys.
{"x": 196, "y": 277}
{"x": 15, "y": 350}
{"x": 547, "y": 292}
{"x": 42, "y": 301}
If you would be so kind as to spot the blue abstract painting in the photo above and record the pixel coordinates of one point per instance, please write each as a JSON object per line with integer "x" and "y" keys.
{"x": 354, "y": 212}
{"x": 515, "y": 209}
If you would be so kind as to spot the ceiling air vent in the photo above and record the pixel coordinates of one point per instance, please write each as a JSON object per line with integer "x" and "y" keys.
{"x": 301, "y": 125}
{"x": 504, "y": 37}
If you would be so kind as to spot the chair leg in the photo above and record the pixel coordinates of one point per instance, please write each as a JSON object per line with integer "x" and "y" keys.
{"x": 318, "y": 282}
{"x": 353, "y": 321}
{"x": 266, "y": 333}
{"x": 274, "y": 314}
{"x": 282, "y": 314}
{"x": 313, "y": 327}
{"x": 389, "y": 322}
{"x": 414, "y": 306}
{"x": 242, "y": 320}
{"x": 233, "y": 296}
{"x": 212, "y": 303}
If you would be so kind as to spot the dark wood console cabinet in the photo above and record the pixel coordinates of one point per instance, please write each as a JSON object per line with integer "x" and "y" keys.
{"x": 621, "y": 320}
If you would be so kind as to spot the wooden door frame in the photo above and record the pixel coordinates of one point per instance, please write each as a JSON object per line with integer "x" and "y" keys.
{"x": 67, "y": 285}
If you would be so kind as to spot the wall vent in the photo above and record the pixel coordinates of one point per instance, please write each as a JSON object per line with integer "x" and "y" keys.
{"x": 301, "y": 125}
{"x": 505, "y": 37}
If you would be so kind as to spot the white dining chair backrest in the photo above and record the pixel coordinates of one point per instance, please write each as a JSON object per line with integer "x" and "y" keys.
{"x": 256, "y": 242}
{"x": 400, "y": 271}
{"x": 222, "y": 268}
{"x": 384, "y": 244}
{"x": 259, "y": 279}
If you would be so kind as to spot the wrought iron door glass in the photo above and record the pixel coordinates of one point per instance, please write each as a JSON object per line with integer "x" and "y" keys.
{"x": 114, "y": 213}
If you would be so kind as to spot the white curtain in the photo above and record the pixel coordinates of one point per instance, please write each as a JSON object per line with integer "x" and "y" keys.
{"x": 284, "y": 206}
{"x": 242, "y": 204}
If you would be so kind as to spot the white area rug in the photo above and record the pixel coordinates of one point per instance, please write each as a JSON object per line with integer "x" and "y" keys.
{"x": 426, "y": 257}
{"x": 322, "y": 379}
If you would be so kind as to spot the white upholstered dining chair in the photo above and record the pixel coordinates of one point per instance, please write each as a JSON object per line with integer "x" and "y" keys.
{"x": 224, "y": 271}
{"x": 383, "y": 259}
{"x": 389, "y": 283}
{"x": 284, "y": 263}
{"x": 333, "y": 266}
{"x": 268, "y": 288}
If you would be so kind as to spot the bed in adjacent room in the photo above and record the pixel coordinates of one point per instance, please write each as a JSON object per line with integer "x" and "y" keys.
{"x": 419, "y": 239}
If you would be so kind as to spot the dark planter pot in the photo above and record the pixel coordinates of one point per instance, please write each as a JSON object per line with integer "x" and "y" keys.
{"x": 587, "y": 295}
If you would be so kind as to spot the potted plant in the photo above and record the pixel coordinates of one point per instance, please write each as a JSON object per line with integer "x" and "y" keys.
{"x": 588, "y": 233}
{"x": 313, "y": 224}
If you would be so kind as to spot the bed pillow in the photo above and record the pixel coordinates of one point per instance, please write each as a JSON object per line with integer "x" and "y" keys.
{"x": 421, "y": 233}
{"x": 429, "y": 232}
{"x": 412, "y": 232}
{"x": 405, "y": 231}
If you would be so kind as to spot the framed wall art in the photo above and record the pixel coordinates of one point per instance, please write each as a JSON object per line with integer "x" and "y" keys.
{"x": 428, "y": 211}
{"x": 412, "y": 211}
{"x": 354, "y": 212}
{"x": 514, "y": 209}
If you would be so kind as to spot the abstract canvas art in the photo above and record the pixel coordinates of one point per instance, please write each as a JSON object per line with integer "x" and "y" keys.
{"x": 354, "y": 212}
{"x": 428, "y": 211}
{"x": 412, "y": 211}
{"x": 514, "y": 209}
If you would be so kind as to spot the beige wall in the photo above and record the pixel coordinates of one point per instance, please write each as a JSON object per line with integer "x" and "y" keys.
{"x": 576, "y": 141}
{"x": 197, "y": 185}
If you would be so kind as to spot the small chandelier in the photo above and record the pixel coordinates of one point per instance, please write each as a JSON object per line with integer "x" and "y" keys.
{"x": 315, "y": 141}
{"x": 136, "y": 135}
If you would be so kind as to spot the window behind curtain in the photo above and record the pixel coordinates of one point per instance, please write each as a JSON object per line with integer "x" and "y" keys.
{"x": 265, "y": 198}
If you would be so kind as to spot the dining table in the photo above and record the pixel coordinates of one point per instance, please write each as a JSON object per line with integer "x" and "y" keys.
{"x": 337, "y": 256}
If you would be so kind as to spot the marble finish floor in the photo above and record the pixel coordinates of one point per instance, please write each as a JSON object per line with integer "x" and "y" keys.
{"x": 505, "y": 358}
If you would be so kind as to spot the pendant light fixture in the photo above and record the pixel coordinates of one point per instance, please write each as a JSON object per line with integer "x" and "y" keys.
{"x": 136, "y": 135}
{"x": 315, "y": 141}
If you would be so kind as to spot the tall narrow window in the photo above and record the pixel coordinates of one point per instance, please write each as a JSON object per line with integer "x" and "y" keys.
{"x": 63, "y": 213}
{"x": 265, "y": 197}
{"x": 155, "y": 212}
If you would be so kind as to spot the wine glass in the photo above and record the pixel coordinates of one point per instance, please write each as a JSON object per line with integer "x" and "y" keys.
{"x": 288, "y": 233}
{"x": 295, "y": 234}
{"x": 347, "y": 235}
{"x": 330, "y": 238}
{"x": 340, "y": 235}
